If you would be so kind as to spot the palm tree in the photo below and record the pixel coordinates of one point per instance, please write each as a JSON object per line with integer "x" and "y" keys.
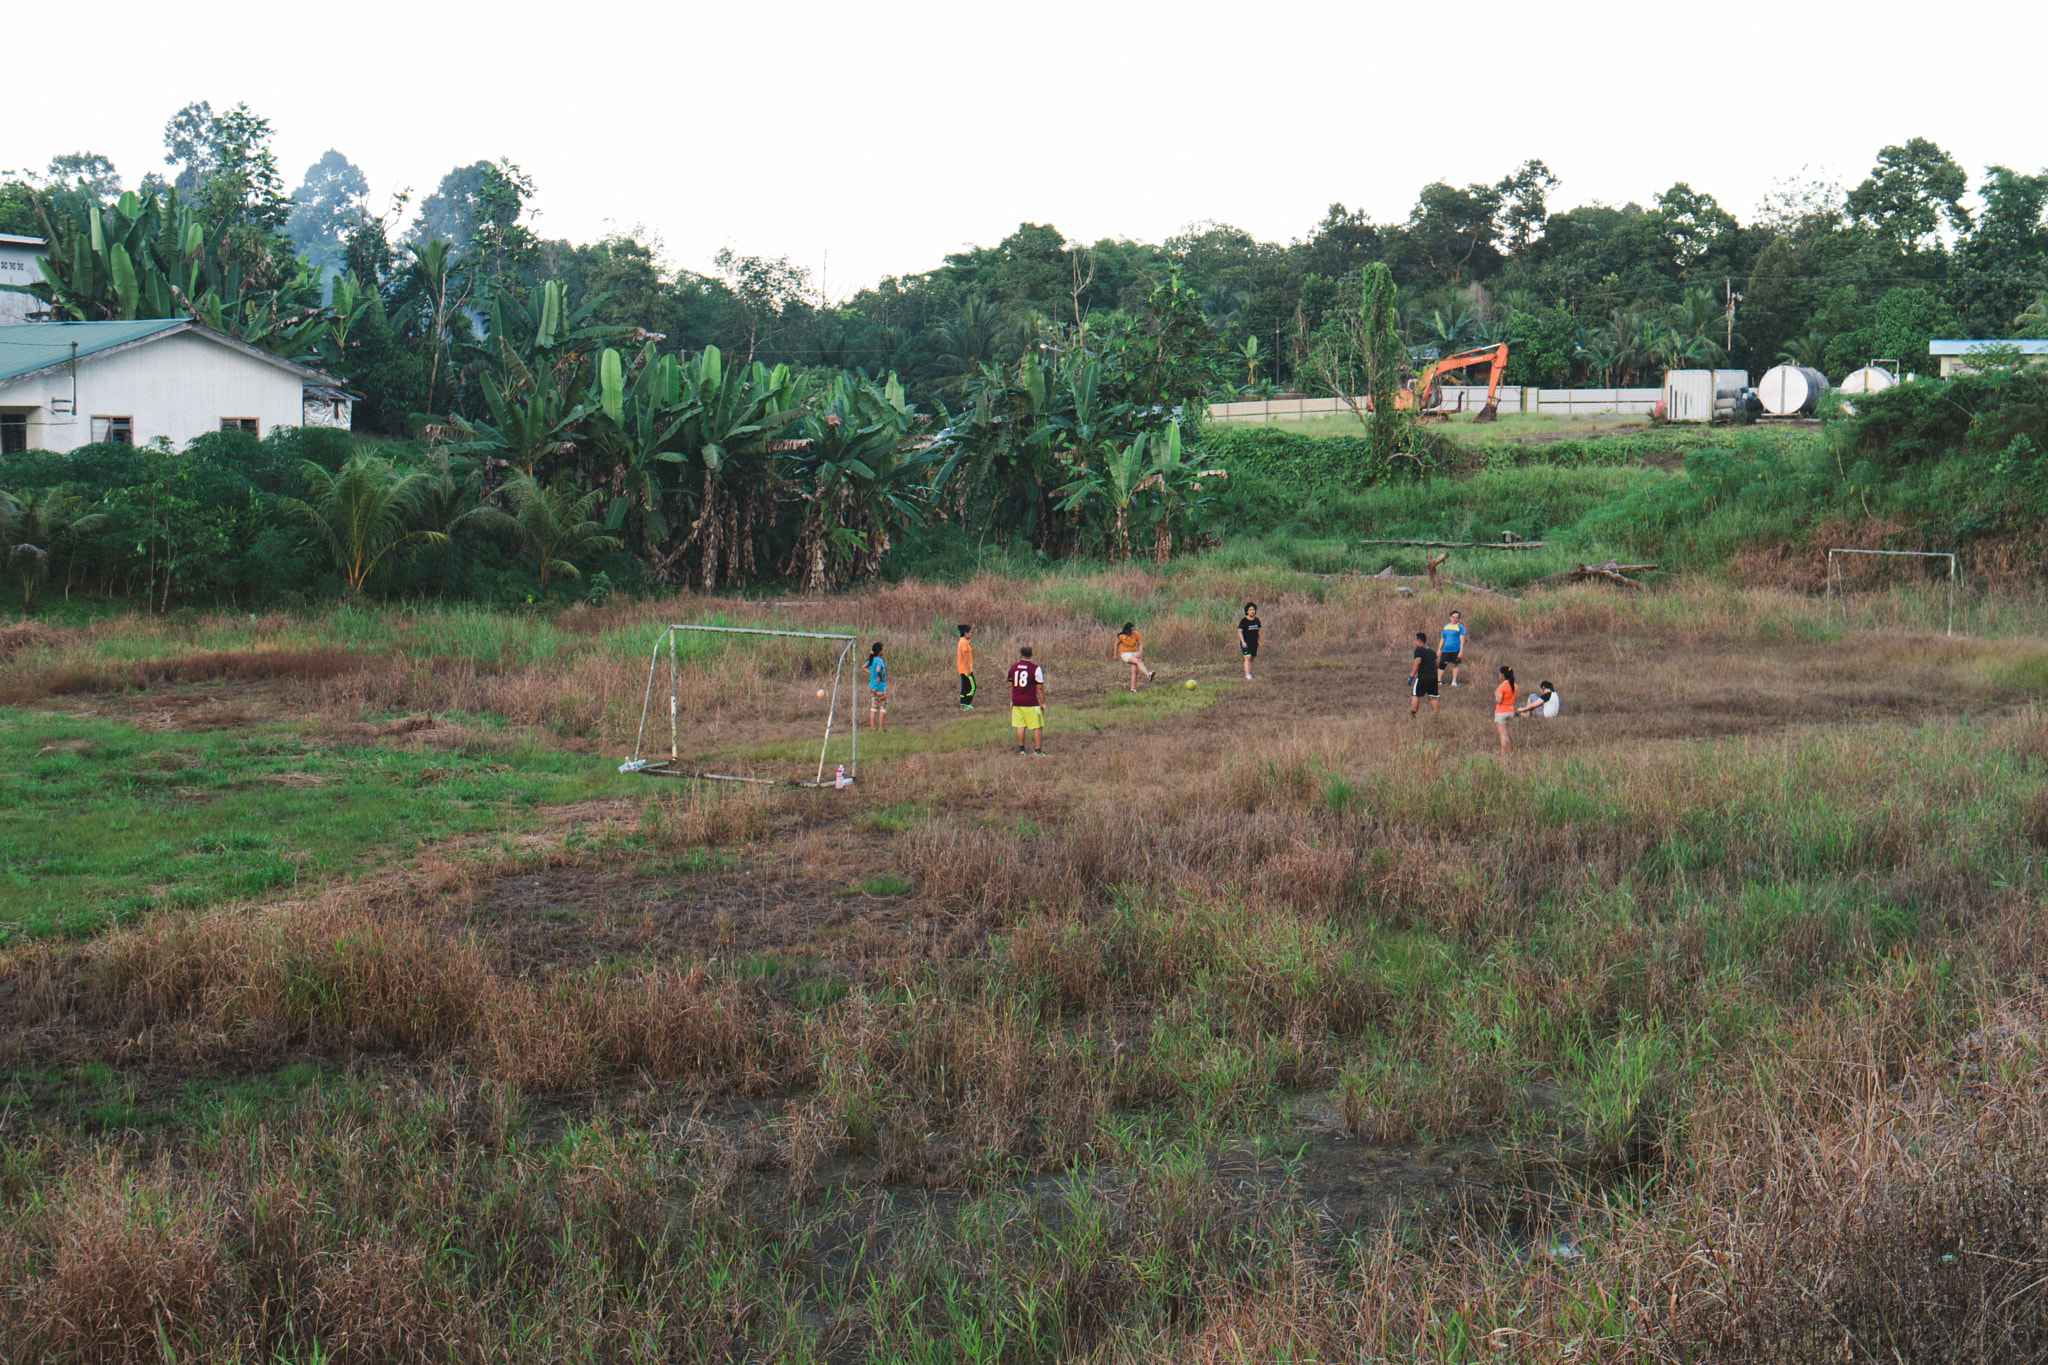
{"x": 1810, "y": 350}
{"x": 34, "y": 525}
{"x": 1449, "y": 333}
{"x": 972, "y": 337}
{"x": 554, "y": 523}
{"x": 449, "y": 505}
{"x": 1222, "y": 305}
{"x": 366, "y": 513}
{"x": 1622, "y": 347}
{"x": 2033, "y": 322}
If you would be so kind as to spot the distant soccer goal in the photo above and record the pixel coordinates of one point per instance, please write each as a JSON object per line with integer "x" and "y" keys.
{"x": 1838, "y": 589}
{"x": 673, "y": 765}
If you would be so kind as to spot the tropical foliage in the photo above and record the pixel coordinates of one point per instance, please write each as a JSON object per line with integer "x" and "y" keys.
{"x": 713, "y": 430}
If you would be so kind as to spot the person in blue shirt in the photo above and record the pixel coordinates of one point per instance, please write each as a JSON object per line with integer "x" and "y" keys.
{"x": 1452, "y": 649}
{"x": 878, "y": 689}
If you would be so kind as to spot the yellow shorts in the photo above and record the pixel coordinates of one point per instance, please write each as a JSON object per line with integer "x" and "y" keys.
{"x": 1027, "y": 717}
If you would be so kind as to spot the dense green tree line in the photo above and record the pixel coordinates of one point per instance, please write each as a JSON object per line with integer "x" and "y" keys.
{"x": 715, "y": 429}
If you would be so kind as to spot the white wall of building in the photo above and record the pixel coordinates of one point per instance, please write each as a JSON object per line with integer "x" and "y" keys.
{"x": 180, "y": 386}
{"x": 18, "y": 266}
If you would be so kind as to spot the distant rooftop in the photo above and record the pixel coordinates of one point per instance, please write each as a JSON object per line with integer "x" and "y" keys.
{"x": 9, "y": 239}
{"x": 2026, "y": 347}
{"x": 31, "y": 346}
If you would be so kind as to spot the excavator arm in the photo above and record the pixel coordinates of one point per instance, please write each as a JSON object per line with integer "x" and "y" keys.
{"x": 1429, "y": 386}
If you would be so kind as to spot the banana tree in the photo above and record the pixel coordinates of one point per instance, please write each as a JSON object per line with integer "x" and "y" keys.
{"x": 151, "y": 257}
{"x": 639, "y": 416}
{"x": 1110, "y": 489}
{"x": 862, "y": 474}
{"x": 729, "y": 440}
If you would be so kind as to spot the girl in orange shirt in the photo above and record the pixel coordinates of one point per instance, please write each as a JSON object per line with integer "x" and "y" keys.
{"x": 1504, "y": 704}
{"x": 1130, "y": 649}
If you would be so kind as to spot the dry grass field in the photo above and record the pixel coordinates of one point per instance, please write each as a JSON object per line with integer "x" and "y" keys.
{"x": 1256, "y": 1022}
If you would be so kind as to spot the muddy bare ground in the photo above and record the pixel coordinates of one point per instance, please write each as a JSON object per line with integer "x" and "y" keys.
{"x": 549, "y": 920}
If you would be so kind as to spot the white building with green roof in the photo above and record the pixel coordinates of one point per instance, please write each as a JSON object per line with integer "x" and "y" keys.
{"x": 67, "y": 384}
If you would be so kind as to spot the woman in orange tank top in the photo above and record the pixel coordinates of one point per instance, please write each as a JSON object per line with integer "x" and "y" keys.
{"x": 1504, "y": 704}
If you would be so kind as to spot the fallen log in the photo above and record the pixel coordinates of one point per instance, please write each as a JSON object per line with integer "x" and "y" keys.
{"x": 1464, "y": 544}
{"x": 1612, "y": 570}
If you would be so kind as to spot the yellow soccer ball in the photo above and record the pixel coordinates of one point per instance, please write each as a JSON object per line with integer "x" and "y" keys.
{"x": 1190, "y": 684}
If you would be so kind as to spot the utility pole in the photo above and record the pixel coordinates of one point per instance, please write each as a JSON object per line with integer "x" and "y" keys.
{"x": 1728, "y": 287}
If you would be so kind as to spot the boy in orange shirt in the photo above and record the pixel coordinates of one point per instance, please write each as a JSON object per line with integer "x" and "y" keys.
{"x": 963, "y": 658}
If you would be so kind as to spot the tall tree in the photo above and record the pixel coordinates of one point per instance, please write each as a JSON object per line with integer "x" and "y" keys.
{"x": 327, "y": 206}
{"x": 87, "y": 175}
{"x": 453, "y": 211}
{"x": 1522, "y": 212}
{"x": 1910, "y": 194}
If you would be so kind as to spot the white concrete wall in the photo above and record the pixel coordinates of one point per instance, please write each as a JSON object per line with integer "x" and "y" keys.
{"x": 1552, "y": 402}
{"x": 18, "y": 266}
{"x": 180, "y": 387}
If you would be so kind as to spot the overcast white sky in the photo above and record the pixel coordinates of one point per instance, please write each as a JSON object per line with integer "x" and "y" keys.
{"x": 888, "y": 133}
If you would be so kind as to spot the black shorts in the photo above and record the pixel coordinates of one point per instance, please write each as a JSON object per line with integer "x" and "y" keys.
{"x": 1250, "y": 651}
{"x": 1449, "y": 658}
{"x": 1418, "y": 688}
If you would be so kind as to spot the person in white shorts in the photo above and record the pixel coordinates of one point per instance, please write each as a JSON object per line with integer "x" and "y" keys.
{"x": 1542, "y": 702}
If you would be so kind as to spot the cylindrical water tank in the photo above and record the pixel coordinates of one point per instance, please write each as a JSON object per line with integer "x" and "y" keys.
{"x": 1869, "y": 379}
{"x": 1790, "y": 390}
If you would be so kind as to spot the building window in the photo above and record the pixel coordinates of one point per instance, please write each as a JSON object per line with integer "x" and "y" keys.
{"x": 13, "y": 432}
{"x": 248, "y": 424}
{"x": 119, "y": 430}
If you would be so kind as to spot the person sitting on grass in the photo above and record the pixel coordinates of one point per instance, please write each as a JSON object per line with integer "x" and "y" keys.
{"x": 1027, "y": 701}
{"x": 878, "y": 689}
{"x": 1543, "y": 702}
{"x": 963, "y": 659}
{"x": 1130, "y": 649}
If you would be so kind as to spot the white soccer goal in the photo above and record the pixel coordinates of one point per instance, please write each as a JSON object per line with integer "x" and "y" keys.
{"x": 1834, "y": 578}
{"x": 672, "y": 765}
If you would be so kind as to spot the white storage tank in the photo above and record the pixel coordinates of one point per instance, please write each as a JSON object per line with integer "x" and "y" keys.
{"x": 1791, "y": 390}
{"x": 1869, "y": 379}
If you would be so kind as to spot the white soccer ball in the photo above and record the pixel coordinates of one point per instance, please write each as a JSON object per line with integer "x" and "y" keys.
{"x": 821, "y": 693}
{"x": 1190, "y": 684}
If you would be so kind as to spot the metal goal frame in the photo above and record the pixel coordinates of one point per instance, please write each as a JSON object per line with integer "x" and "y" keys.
{"x": 670, "y": 767}
{"x": 1903, "y": 554}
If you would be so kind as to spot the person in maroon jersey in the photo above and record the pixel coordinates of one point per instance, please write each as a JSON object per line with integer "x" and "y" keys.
{"x": 1027, "y": 702}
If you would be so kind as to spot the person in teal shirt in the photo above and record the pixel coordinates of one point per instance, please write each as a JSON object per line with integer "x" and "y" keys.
{"x": 1452, "y": 649}
{"x": 878, "y": 689}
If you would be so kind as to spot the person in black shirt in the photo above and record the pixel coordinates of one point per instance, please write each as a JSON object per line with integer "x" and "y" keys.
{"x": 1248, "y": 637}
{"x": 1422, "y": 676}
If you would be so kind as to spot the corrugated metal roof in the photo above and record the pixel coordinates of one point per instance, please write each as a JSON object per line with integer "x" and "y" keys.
{"x": 2026, "y": 347}
{"x": 9, "y": 239}
{"x": 26, "y": 347}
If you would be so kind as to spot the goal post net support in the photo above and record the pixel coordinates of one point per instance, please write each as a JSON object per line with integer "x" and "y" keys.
{"x": 1838, "y": 589}
{"x": 672, "y": 766}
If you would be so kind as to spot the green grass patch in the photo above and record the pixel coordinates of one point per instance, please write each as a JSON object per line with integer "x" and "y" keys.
{"x": 109, "y": 821}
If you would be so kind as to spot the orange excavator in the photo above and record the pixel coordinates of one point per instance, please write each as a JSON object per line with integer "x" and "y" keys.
{"x": 1426, "y": 395}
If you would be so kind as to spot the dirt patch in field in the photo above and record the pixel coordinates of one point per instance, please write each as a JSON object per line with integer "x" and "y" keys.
{"x": 546, "y": 921}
